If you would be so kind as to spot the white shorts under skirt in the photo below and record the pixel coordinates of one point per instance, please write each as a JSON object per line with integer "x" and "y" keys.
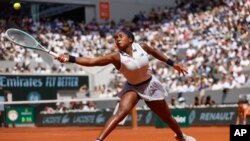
{"x": 149, "y": 91}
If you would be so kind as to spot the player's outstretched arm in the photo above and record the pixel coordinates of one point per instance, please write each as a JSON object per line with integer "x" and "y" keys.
{"x": 87, "y": 61}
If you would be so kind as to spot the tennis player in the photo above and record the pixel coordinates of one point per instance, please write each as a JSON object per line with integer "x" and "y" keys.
{"x": 243, "y": 111}
{"x": 133, "y": 62}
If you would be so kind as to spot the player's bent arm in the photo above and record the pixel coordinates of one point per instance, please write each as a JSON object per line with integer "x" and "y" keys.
{"x": 154, "y": 52}
{"x": 238, "y": 116}
{"x": 160, "y": 56}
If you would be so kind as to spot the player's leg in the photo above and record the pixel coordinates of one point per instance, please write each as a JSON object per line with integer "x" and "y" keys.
{"x": 244, "y": 117}
{"x": 246, "y": 112}
{"x": 238, "y": 118}
{"x": 161, "y": 108}
{"x": 127, "y": 102}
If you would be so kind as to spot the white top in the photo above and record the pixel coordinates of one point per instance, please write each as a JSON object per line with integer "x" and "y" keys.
{"x": 135, "y": 68}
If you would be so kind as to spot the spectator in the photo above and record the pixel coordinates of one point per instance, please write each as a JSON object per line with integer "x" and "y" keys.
{"x": 212, "y": 37}
{"x": 61, "y": 108}
{"x": 209, "y": 101}
{"x": 48, "y": 110}
{"x": 173, "y": 101}
{"x": 181, "y": 100}
{"x": 196, "y": 101}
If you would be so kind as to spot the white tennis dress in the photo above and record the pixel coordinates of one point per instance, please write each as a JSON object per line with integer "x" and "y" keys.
{"x": 136, "y": 70}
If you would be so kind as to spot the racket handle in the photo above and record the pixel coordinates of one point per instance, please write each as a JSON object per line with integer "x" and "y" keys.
{"x": 53, "y": 54}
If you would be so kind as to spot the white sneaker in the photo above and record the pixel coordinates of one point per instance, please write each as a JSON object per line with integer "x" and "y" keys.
{"x": 185, "y": 138}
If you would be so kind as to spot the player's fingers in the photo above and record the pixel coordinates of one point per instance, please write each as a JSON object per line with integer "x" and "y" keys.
{"x": 183, "y": 73}
{"x": 61, "y": 59}
{"x": 65, "y": 59}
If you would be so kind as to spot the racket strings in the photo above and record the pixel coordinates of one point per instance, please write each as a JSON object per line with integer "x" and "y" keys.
{"x": 27, "y": 41}
{"x": 21, "y": 38}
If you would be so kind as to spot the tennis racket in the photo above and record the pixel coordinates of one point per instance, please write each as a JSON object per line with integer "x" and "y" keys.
{"x": 25, "y": 40}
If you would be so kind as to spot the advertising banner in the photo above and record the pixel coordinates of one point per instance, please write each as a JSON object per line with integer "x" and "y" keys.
{"x": 104, "y": 10}
{"x": 73, "y": 119}
{"x": 19, "y": 115}
{"x": 144, "y": 117}
{"x": 40, "y": 87}
{"x": 185, "y": 118}
{"x": 99, "y": 118}
{"x": 180, "y": 115}
{"x": 213, "y": 116}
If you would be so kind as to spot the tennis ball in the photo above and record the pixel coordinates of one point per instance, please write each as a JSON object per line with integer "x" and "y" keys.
{"x": 16, "y": 5}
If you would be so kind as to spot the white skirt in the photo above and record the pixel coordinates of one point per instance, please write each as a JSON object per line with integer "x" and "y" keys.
{"x": 149, "y": 91}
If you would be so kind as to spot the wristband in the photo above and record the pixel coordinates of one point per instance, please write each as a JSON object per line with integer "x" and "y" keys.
{"x": 170, "y": 62}
{"x": 72, "y": 59}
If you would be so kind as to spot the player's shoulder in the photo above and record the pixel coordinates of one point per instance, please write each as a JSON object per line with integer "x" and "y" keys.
{"x": 114, "y": 55}
{"x": 144, "y": 46}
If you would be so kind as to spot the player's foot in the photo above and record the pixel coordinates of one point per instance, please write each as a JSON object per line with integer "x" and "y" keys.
{"x": 185, "y": 138}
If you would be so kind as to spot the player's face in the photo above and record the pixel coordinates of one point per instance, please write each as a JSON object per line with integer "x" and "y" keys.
{"x": 122, "y": 41}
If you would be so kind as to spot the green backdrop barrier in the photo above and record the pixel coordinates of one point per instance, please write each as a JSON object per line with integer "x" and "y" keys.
{"x": 180, "y": 115}
{"x": 208, "y": 116}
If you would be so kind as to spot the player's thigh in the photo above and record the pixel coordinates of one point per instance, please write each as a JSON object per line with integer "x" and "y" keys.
{"x": 128, "y": 101}
{"x": 248, "y": 111}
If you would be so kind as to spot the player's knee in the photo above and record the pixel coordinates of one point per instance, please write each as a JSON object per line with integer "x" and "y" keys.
{"x": 122, "y": 113}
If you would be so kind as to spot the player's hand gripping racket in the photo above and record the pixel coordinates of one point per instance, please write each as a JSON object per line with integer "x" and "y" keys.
{"x": 25, "y": 40}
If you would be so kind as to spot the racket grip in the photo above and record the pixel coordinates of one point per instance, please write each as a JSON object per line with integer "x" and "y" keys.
{"x": 53, "y": 54}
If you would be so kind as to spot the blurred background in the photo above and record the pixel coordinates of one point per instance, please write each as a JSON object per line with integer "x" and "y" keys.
{"x": 210, "y": 38}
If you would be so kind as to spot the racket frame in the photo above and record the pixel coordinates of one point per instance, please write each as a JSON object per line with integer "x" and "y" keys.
{"x": 38, "y": 46}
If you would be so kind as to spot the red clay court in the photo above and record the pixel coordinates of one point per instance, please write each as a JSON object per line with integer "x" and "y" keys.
{"x": 210, "y": 133}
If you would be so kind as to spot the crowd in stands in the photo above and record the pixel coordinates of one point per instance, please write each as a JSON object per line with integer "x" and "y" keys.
{"x": 72, "y": 106}
{"x": 209, "y": 37}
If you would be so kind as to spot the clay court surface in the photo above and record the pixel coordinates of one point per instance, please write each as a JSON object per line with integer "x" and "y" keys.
{"x": 120, "y": 134}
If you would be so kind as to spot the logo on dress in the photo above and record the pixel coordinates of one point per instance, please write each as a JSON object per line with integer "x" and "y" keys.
{"x": 154, "y": 87}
